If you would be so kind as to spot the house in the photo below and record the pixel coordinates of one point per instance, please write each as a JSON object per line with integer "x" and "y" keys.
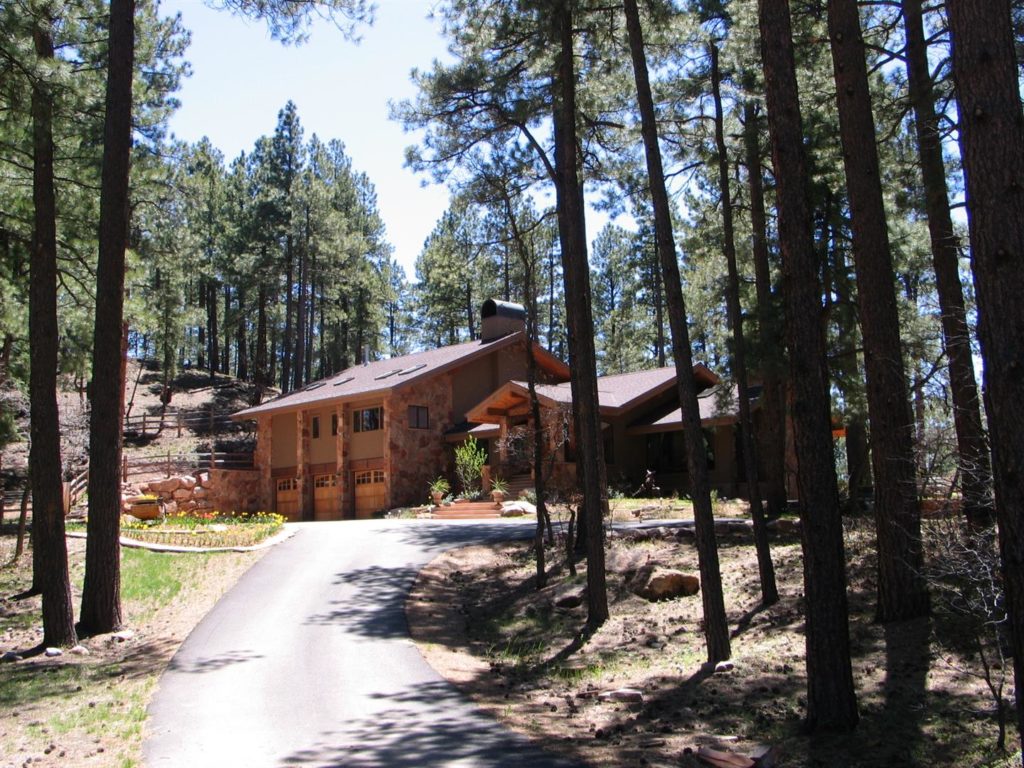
{"x": 373, "y": 436}
{"x": 642, "y": 425}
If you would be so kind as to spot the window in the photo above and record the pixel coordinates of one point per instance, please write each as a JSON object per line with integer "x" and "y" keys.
{"x": 334, "y": 424}
{"x": 288, "y": 484}
{"x": 368, "y": 419}
{"x": 316, "y": 427}
{"x": 324, "y": 481}
{"x": 418, "y": 417}
{"x": 369, "y": 477}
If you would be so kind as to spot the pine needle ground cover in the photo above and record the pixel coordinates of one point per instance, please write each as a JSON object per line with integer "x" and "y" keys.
{"x": 520, "y": 654}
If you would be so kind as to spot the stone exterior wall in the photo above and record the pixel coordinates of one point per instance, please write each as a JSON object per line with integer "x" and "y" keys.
{"x": 223, "y": 490}
{"x": 414, "y": 457}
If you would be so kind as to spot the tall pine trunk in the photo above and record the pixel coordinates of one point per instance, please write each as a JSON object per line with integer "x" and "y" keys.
{"x": 972, "y": 450}
{"x": 101, "y": 592}
{"x": 212, "y": 329}
{"x": 772, "y": 435}
{"x": 50, "y": 556}
{"x": 716, "y": 625}
{"x": 992, "y": 149}
{"x": 289, "y": 309}
{"x": 902, "y": 593}
{"x": 576, "y": 276}
{"x": 831, "y": 701}
{"x": 766, "y": 569}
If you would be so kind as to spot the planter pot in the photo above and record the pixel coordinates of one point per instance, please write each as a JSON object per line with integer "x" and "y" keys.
{"x": 145, "y": 510}
{"x": 498, "y": 496}
{"x": 438, "y": 498}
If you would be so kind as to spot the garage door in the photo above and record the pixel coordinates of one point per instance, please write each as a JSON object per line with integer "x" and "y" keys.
{"x": 326, "y": 501}
{"x": 288, "y": 503}
{"x": 369, "y": 492}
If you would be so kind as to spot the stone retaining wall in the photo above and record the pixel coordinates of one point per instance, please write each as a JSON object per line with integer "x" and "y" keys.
{"x": 224, "y": 490}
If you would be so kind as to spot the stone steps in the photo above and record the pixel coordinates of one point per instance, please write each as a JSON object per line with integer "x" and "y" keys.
{"x": 468, "y": 510}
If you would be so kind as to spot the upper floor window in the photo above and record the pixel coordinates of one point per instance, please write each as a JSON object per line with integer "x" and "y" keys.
{"x": 419, "y": 417}
{"x": 368, "y": 419}
{"x": 316, "y": 427}
{"x": 334, "y": 424}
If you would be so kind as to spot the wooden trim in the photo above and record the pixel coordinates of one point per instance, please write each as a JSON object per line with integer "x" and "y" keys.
{"x": 284, "y": 471}
{"x": 327, "y": 468}
{"x": 357, "y": 465}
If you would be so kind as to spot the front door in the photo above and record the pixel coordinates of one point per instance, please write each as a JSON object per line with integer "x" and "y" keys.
{"x": 288, "y": 502}
{"x": 326, "y": 501}
{"x": 369, "y": 492}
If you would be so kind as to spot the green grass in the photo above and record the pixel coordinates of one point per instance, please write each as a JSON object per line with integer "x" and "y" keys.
{"x": 153, "y": 578}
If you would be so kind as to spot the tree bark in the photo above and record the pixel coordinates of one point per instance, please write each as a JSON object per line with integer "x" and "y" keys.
{"x": 101, "y": 592}
{"x": 50, "y": 561}
{"x": 576, "y": 276}
{"x": 902, "y": 593}
{"x": 716, "y": 625}
{"x": 772, "y": 435}
{"x": 975, "y": 465}
{"x": 831, "y": 701}
{"x": 766, "y": 569}
{"x": 992, "y": 149}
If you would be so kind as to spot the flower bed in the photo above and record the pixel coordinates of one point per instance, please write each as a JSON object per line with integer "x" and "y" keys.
{"x": 203, "y": 529}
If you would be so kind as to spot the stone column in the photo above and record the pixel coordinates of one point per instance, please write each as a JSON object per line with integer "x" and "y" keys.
{"x": 302, "y": 466}
{"x": 262, "y": 461}
{"x": 341, "y": 462}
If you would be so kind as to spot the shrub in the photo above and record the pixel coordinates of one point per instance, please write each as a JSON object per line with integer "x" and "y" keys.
{"x": 470, "y": 458}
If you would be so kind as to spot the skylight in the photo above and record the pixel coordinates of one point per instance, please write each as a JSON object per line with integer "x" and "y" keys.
{"x": 413, "y": 369}
{"x": 385, "y": 375}
{"x": 346, "y": 380}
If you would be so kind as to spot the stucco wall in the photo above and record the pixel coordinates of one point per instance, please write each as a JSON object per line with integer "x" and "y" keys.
{"x": 282, "y": 448}
{"x": 321, "y": 449}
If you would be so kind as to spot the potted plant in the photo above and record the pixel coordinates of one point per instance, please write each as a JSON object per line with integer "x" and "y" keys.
{"x": 499, "y": 489}
{"x": 439, "y": 488}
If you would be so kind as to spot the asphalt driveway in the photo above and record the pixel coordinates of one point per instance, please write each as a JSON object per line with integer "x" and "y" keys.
{"x": 307, "y": 662}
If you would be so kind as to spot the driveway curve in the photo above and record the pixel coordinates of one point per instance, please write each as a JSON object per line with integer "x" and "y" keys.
{"x": 307, "y": 661}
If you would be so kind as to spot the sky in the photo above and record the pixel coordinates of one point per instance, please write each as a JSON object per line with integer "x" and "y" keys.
{"x": 241, "y": 79}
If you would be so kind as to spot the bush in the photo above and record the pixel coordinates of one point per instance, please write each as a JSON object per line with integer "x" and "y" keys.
{"x": 470, "y": 458}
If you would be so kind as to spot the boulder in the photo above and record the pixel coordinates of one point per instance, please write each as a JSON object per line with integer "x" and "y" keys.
{"x": 784, "y": 525}
{"x": 654, "y": 582}
{"x": 626, "y": 561}
{"x": 517, "y": 509}
{"x": 165, "y": 487}
{"x": 200, "y": 493}
{"x": 182, "y": 495}
{"x": 187, "y": 482}
{"x": 170, "y": 507}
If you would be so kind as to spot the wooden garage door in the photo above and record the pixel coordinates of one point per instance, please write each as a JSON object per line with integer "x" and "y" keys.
{"x": 326, "y": 501}
{"x": 288, "y": 502}
{"x": 369, "y": 492}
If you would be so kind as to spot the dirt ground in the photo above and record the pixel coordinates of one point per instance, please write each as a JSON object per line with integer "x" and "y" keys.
{"x": 478, "y": 619}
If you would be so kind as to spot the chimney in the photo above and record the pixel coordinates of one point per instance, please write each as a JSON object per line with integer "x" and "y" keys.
{"x": 500, "y": 318}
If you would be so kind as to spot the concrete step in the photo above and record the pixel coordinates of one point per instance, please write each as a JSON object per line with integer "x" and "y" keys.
{"x": 467, "y": 510}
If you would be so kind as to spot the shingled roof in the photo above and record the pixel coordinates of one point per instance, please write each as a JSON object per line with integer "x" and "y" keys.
{"x": 616, "y": 394}
{"x": 380, "y": 376}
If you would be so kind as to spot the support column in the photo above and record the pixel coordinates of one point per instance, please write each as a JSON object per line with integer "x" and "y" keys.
{"x": 262, "y": 461}
{"x": 302, "y": 466}
{"x": 344, "y": 479}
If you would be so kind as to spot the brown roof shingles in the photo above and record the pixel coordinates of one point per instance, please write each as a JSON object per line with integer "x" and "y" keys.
{"x": 382, "y": 376}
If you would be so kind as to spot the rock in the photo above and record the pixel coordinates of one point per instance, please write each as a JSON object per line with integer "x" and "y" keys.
{"x": 53, "y": 652}
{"x": 719, "y": 758}
{"x": 168, "y": 486}
{"x": 765, "y": 756}
{"x": 654, "y": 582}
{"x": 124, "y": 634}
{"x": 627, "y": 695}
{"x": 724, "y": 666}
{"x": 187, "y": 482}
{"x": 517, "y": 509}
{"x": 203, "y": 479}
{"x": 11, "y": 656}
{"x": 200, "y": 493}
{"x": 170, "y": 507}
{"x": 574, "y": 600}
{"x": 182, "y": 495}
{"x": 80, "y": 650}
